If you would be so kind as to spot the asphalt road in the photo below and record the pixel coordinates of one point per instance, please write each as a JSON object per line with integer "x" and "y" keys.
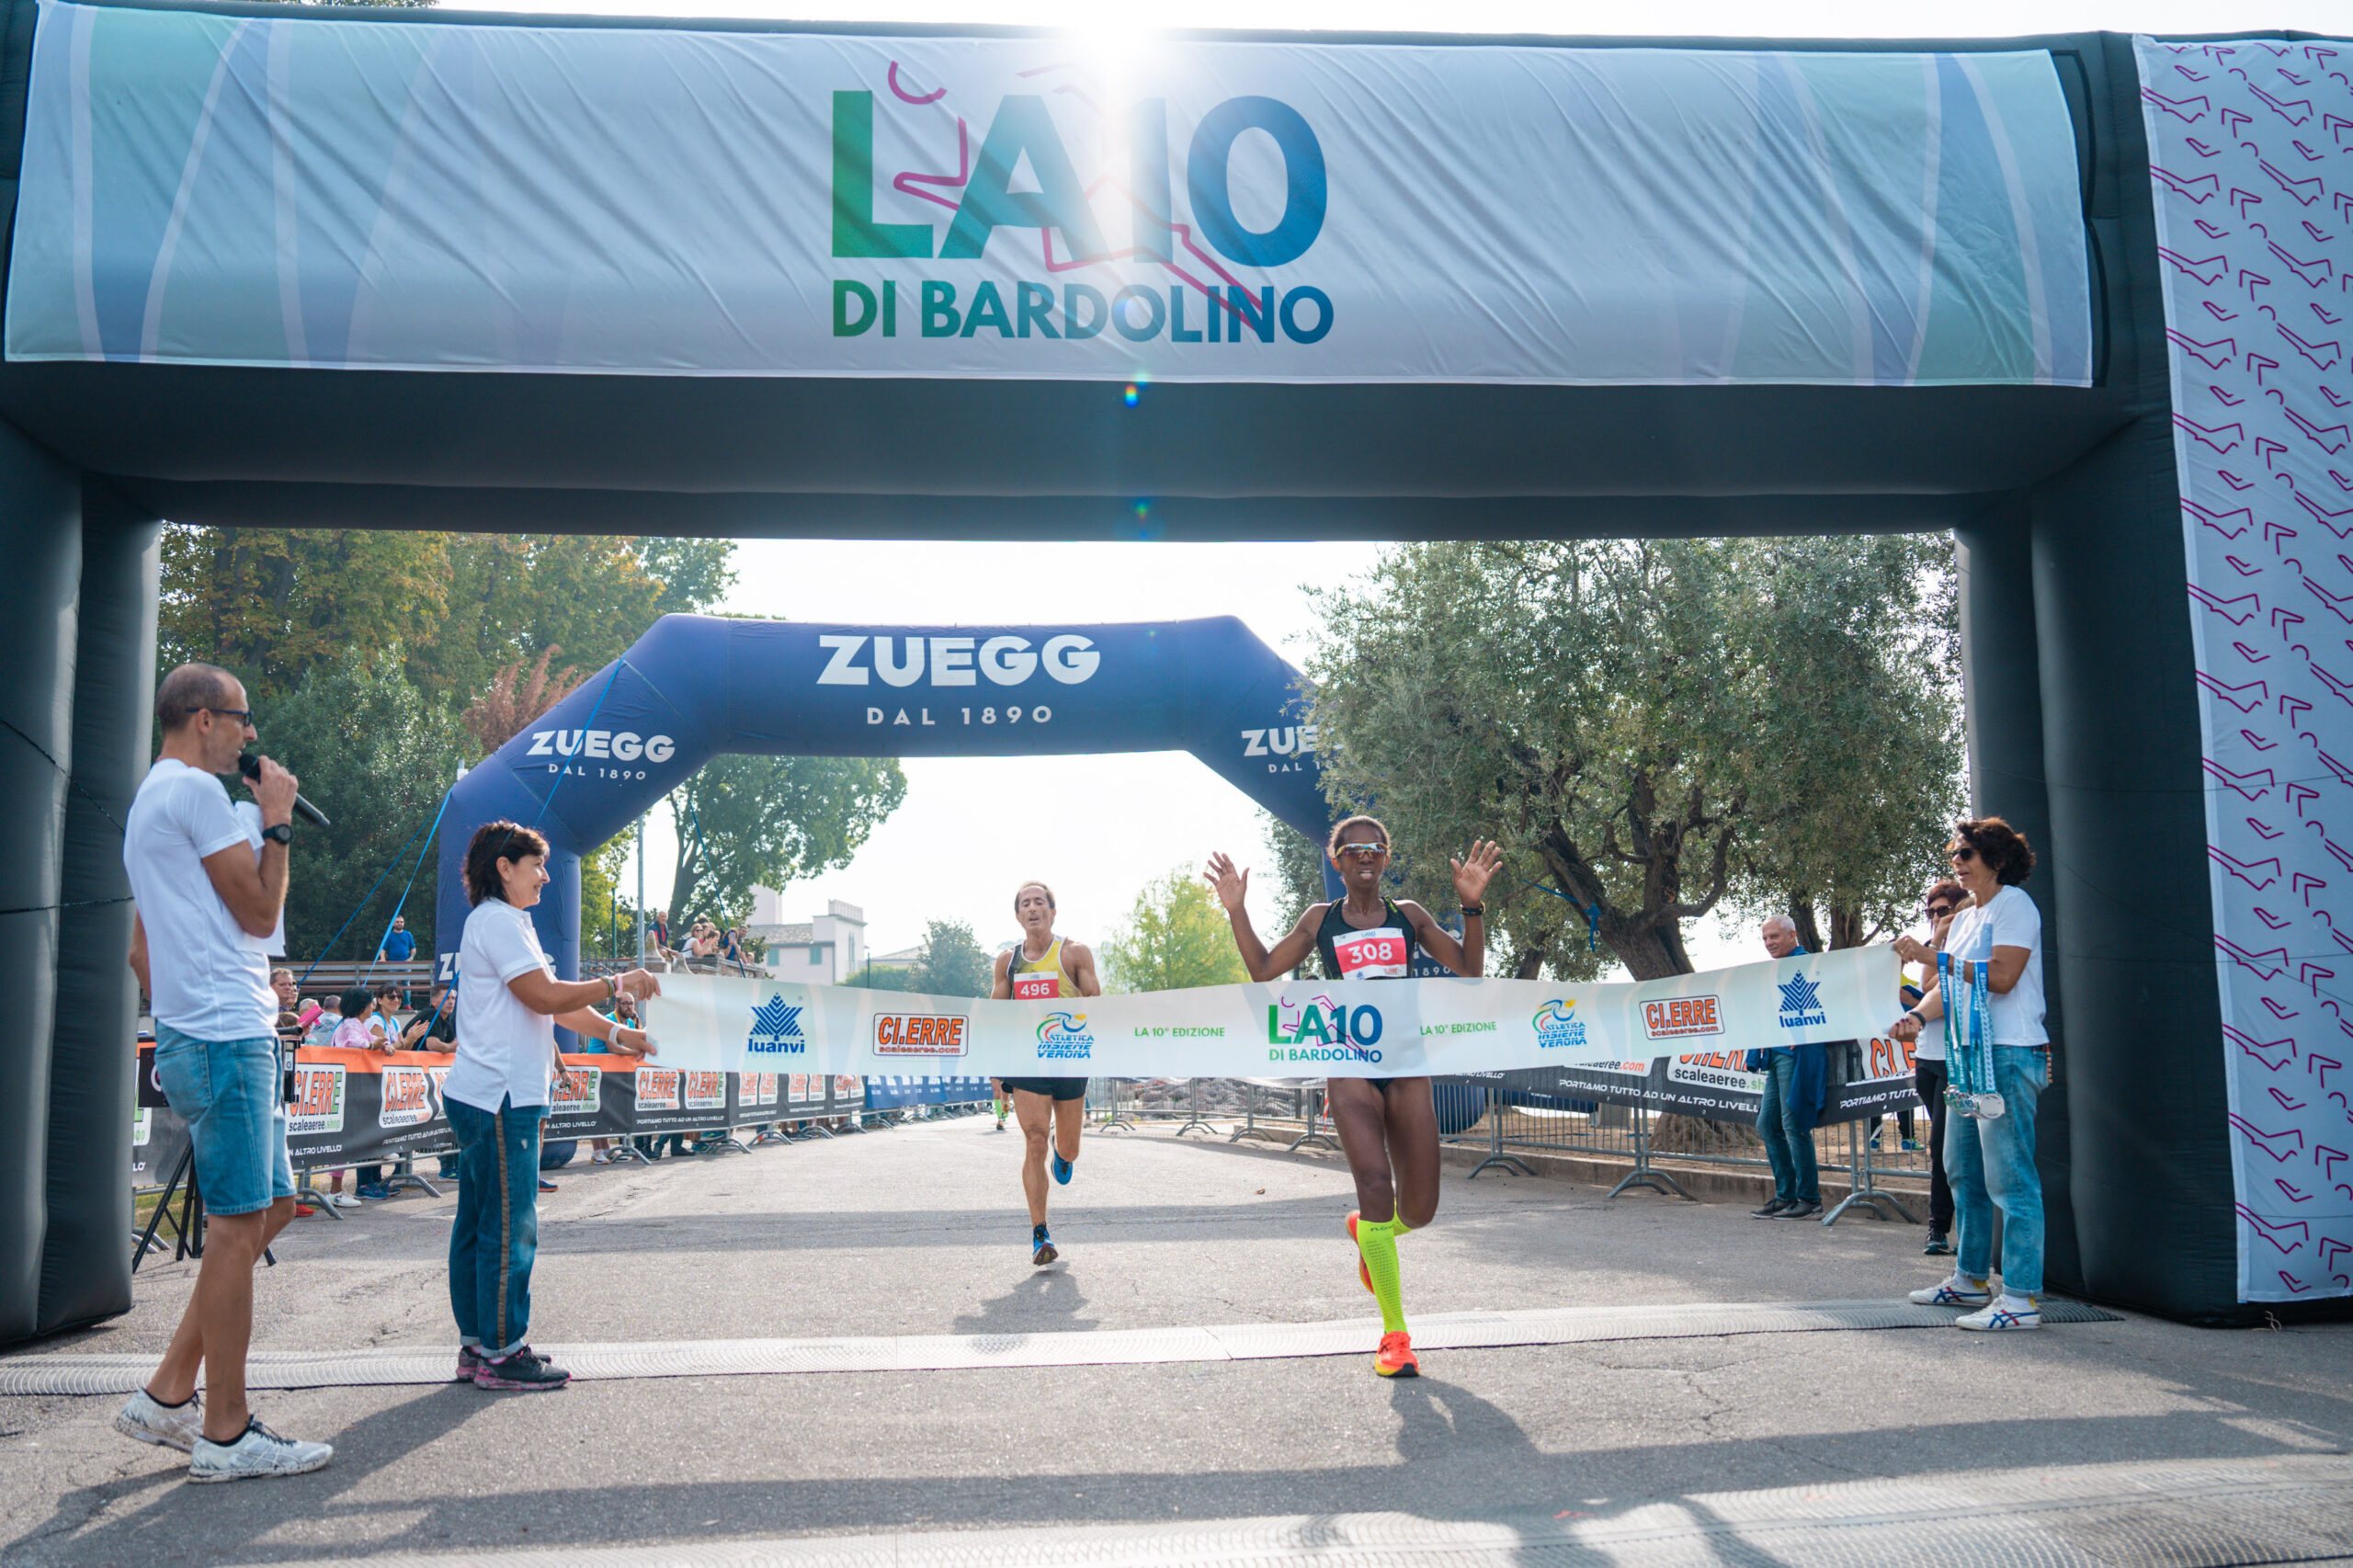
{"x": 920, "y": 1231}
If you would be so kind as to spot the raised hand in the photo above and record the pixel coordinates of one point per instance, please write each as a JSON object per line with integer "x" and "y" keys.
{"x": 1471, "y": 873}
{"x": 1230, "y": 884}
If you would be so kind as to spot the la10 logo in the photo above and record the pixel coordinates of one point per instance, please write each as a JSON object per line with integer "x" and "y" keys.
{"x": 1023, "y": 129}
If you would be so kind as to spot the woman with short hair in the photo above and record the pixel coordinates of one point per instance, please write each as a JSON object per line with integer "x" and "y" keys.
{"x": 1995, "y": 938}
{"x": 1388, "y": 1126}
{"x": 509, "y": 1004}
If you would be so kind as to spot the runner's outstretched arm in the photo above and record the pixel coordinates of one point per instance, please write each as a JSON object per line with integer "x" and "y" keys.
{"x": 1231, "y": 886}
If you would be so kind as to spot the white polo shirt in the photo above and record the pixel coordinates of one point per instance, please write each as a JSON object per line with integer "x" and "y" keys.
{"x": 505, "y": 1052}
{"x": 2011, "y": 920}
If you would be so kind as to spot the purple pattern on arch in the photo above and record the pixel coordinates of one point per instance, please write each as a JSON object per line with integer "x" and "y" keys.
{"x": 2251, "y": 156}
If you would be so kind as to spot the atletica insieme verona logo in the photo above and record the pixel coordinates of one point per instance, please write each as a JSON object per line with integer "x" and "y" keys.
{"x": 1801, "y": 1003}
{"x": 1063, "y": 1037}
{"x": 775, "y": 1029}
{"x": 1554, "y": 1027}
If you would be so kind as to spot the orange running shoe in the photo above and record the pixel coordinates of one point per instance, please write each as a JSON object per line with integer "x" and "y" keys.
{"x": 1362, "y": 1272}
{"x": 1395, "y": 1357}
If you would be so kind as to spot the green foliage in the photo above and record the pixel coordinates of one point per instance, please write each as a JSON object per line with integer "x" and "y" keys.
{"x": 376, "y": 757}
{"x": 747, "y": 822}
{"x": 1176, "y": 936}
{"x": 872, "y": 979}
{"x": 952, "y": 962}
{"x": 273, "y": 603}
{"x": 1293, "y": 871}
{"x": 1649, "y": 727}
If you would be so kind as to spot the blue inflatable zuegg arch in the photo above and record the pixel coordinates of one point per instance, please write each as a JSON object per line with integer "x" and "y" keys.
{"x": 698, "y": 686}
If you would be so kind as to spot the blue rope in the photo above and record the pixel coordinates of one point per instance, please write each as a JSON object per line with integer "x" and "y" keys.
{"x": 1592, "y": 913}
{"x": 412, "y": 871}
{"x": 398, "y": 857}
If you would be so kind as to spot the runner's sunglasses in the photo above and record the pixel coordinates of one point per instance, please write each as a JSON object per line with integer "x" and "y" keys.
{"x": 1364, "y": 850}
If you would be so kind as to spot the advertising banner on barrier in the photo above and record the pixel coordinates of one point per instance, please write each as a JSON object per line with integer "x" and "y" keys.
{"x": 1865, "y": 1080}
{"x": 302, "y": 191}
{"x": 1327, "y": 1028}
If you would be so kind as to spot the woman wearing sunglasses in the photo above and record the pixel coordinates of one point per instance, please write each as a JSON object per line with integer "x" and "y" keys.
{"x": 1991, "y": 1161}
{"x": 1388, "y": 1126}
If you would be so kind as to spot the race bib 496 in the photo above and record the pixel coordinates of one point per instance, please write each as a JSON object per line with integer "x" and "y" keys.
{"x": 1034, "y": 987}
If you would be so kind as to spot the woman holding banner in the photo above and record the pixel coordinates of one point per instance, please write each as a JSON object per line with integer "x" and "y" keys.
{"x": 1997, "y": 947}
{"x": 1388, "y": 1126}
{"x": 510, "y": 1003}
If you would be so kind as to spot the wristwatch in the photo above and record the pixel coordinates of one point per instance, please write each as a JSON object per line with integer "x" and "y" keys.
{"x": 281, "y": 834}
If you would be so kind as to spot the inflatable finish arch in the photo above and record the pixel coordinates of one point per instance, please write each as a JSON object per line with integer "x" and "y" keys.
{"x": 2078, "y": 298}
{"x": 697, "y": 687}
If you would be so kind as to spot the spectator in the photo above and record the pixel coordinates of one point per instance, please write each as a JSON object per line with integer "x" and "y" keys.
{"x": 624, "y": 1013}
{"x": 1943, "y": 902}
{"x": 384, "y": 1022}
{"x": 730, "y": 947}
{"x": 660, "y": 930}
{"x": 434, "y": 1027}
{"x": 356, "y": 1005}
{"x": 1797, "y": 1081}
{"x": 289, "y": 1020}
{"x": 399, "y": 943}
{"x": 1990, "y": 1161}
{"x": 702, "y": 946}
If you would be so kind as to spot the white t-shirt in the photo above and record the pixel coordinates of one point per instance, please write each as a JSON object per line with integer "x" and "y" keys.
{"x": 2010, "y": 921}
{"x": 505, "y": 1052}
{"x": 207, "y": 978}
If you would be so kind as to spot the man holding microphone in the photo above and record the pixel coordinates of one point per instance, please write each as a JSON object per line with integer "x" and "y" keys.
{"x": 211, "y": 887}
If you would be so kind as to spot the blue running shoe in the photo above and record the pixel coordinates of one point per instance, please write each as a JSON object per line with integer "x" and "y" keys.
{"x": 1042, "y": 1246}
{"x": 1061, "y": 1167}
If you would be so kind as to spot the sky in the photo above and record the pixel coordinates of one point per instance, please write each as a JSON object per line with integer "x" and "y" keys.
{"x": 1097, "y": 828}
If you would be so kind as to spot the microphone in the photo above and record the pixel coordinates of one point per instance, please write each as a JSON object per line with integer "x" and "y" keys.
{"x": 250, "y": 766}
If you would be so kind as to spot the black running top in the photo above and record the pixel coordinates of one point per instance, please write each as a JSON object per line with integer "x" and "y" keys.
{"x": 1335, "y": 926}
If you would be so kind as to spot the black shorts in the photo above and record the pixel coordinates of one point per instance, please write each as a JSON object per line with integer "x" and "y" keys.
{"x": 1052, "y": 1088}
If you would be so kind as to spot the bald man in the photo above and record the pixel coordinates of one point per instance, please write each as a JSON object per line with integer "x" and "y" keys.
{"x": 1795, "y": 1080}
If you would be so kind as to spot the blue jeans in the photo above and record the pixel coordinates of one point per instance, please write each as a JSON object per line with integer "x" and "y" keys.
{"x": 226, "y": 1090}
{"x": 1991, "y": 1164}
{"x": 496, "y": 1234}
{"x": 1796, "y": 1177}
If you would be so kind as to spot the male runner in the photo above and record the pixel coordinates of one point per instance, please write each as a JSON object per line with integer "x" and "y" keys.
{"x": 1045, "y": 965}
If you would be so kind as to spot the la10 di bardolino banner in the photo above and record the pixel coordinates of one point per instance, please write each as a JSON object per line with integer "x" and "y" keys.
{"x": 1298, "y": 1029}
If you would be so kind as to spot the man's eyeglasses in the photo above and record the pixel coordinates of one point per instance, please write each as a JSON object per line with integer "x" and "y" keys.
{"x": 242, "y": 715}
{"x": 1362, "y": 851}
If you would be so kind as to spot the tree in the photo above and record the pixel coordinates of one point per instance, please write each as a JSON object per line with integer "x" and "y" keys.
{"x": 516, "y": 696}
{"x": 272, "y": 602}
{"x": 747, "y": 822}
{"x": 1176, "y": 936}
{"x": 952, "y": 962}
{"x": 873, "y": 979}
{"x": 377, "y": 758}
{"x": 1648, "y": 726}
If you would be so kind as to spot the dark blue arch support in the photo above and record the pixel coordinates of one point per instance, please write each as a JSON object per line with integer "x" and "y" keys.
{"x": 698, "y": 686}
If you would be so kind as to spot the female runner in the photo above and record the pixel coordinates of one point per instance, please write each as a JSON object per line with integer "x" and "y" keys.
{"x": 1388, "y": 1126}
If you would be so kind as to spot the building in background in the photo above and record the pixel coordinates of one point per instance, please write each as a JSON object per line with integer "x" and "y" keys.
{"x": 824, "y": 951}
{"x": 902, "y": 960}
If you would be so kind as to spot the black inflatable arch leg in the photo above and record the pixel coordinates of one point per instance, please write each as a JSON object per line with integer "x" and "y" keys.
{"x": 40, "y": 540}
{"x": 85, "y": 1262}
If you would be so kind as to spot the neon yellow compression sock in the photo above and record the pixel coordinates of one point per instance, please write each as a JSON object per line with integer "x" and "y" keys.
{"x": 1378, "y": 1243}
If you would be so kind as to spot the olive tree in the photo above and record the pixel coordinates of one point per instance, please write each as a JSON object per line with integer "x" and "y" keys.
{"x": 1650, "y": 727}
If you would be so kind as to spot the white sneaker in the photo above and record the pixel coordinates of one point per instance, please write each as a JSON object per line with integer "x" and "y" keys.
{"x": 259, "y": 1451}
{"x": 2001, "y": 1314}
{"x": 143, "y": 1418}
{"x": 343, "y": 1201}
{"x": 1955, "y": 1293}
{"x": 600, "y": 1159}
